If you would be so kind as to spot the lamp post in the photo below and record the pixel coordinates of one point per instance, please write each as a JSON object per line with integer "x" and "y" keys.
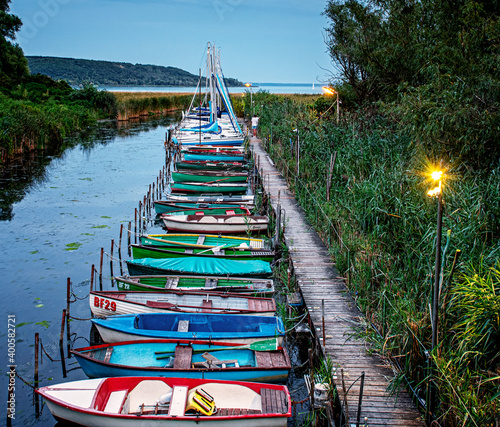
{"x": 332, "y": 91}
{"x": 251, "y": 97}
{"x": 437, "y": 177}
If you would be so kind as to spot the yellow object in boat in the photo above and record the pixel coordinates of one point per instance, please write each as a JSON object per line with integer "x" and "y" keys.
{"x": 199, "y": 400}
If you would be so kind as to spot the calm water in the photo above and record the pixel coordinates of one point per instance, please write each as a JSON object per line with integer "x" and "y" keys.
{"x": 56, "y": 214}
{"x": 54, "y": 230}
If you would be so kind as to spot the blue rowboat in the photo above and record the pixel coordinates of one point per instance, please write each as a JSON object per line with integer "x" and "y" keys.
{"x": 187, "y": 359}
{"x": 189, "y": 265}
{"x": 244, "y": 329}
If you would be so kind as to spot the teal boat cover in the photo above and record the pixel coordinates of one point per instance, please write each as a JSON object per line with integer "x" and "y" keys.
{"x": 208, "y": 266}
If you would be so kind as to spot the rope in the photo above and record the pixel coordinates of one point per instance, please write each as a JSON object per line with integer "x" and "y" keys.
{"x": 298, "y": 323}
{"x": 47, "y": 354}
{"x": 78, "y": 318}
{"x": 24, "y": 381}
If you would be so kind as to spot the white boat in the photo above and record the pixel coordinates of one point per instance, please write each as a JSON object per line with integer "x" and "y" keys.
{"x": 225, "y": 224}
{"x": 106, "y": 303}
{"x": 176, "y": 402}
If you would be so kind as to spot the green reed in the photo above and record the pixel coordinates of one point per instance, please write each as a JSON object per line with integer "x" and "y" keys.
{"x": 381, "y": 228}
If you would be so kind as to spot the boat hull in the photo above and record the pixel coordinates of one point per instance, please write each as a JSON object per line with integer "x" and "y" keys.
{"x": 223, "y": 284}
{"x": 108, "y": 303}
{"x": 224, "y": 224}
{"x": 144, "y": 251}
{"x": 186, "y": 187}
{"x": 243, "y": 329}
{"x": 192, "y": 177}
{"x": 96, "y": 403}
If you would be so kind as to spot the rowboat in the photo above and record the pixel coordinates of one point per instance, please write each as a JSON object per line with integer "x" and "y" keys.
{"x": 262, "y": 361}
{"x": 221, "y": 284}
{"x": 177, "y": 402}
{"x": 162, "y": 206}
{"x": 232, "y": 210}
{"x": 196, "y": 265}
{"x": 214, "y": 149}
{"x": 208, "y": 165}
{"x": 203, "y": 241}
{"x": 244, "y": 329}
{"x": 214, "y": 157}
{"x": 201, "y": 187}
{"x": 109, "y": 303}
{"x": 212, "y": 198}
{"x": 150, "y": 251}
{"x": 210, "y": 176}
{"x": 225, "y": 224}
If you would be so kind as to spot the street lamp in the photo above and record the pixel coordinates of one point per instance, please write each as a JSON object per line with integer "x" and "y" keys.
{"x": 251, "y": 98}
{"x": 332, "y": 91}
{"x": 437, "y": 177}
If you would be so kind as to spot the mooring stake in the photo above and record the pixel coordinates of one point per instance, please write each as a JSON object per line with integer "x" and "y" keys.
{"x": 61, "y": 339}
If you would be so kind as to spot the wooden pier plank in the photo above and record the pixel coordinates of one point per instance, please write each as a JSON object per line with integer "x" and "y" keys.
{"x": 319, "y": 280}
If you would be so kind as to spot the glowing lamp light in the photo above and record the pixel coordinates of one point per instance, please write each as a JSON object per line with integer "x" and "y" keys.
{"x": 328, "y": 90}
{"x": 437, "y": 175}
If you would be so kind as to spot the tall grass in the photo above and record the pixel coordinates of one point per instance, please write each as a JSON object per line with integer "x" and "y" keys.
{"x": 137, "y": 104}
{"x": 381, "y": 230}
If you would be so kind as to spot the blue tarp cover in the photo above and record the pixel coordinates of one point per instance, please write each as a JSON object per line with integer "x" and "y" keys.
{"x": 209, "y": 266}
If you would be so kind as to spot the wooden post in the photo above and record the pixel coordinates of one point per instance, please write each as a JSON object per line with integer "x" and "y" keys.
{"x": 120, "y": 244}
{"x": 323, "y": 321}
{"x": 61, "y": 339}
{"x": 135, "y": 226}
{"x": 311, "y": 367}
{"x": 100, "y": 268}
{"x": 128, "y": 241}
{"x": 92, "y": 278}
{"x": 346, "y": 409}
{"x": 111, "y": 262}
{"x": 35, "y": 379}
{"x": 68, "y": 302}
{"x": 358, "y": 417}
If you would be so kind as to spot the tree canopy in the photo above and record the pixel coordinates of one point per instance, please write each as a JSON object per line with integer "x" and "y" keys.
{"x": 13, "y": 64}
{"x": 433, "y": 66}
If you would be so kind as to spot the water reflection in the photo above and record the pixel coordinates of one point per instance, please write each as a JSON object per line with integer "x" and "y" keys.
{"x": 25, "y": 173}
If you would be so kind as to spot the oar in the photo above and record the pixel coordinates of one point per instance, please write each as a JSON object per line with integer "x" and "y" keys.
{"x": 217, "y": 180}
{"x": 264, "y": 345}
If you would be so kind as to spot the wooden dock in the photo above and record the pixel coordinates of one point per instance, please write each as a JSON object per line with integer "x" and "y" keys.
{"x": 319, "y": 283}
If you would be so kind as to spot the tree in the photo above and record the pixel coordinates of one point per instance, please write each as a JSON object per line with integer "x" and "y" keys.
{"x": 13, "y": 64}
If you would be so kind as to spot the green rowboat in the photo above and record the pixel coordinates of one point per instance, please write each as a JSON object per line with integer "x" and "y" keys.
{"x": 203, "y": 241}
{"x": 210, "y": 177}
{"x": 218, "y": 187}
{"x": 186, "y": 283}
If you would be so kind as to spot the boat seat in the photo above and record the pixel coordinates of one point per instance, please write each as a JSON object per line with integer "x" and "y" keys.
{"x": 201, "y": 239}
{"x": 238, "y": 220}
{"x": 115, "y": 401}
{"x": 183, "y": 326}
{"x": 146, "y": 393}
{"x": 178, "y": 402}
{"x": 172, "y": 283}
{"x": 209, "y": 219}
{"x": 233, "y": 396}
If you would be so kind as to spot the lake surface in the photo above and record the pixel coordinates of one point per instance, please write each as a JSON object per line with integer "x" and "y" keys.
{"x": 61, "y": 218}
{"x": 57, "y": 212}
{"x": 297, "y": 88}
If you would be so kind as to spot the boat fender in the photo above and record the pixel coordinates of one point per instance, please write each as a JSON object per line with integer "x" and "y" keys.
{"x": 165, "y": 398}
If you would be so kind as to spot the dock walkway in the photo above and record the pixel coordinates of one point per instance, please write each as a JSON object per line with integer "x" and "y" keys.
{"x": 318, "y": 279}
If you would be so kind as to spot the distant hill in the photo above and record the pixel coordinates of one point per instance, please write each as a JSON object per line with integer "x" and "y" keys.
{"x": 77, "y": 71}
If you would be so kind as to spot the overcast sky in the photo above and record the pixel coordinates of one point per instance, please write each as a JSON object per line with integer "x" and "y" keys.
{"x": 279, "y": 41}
